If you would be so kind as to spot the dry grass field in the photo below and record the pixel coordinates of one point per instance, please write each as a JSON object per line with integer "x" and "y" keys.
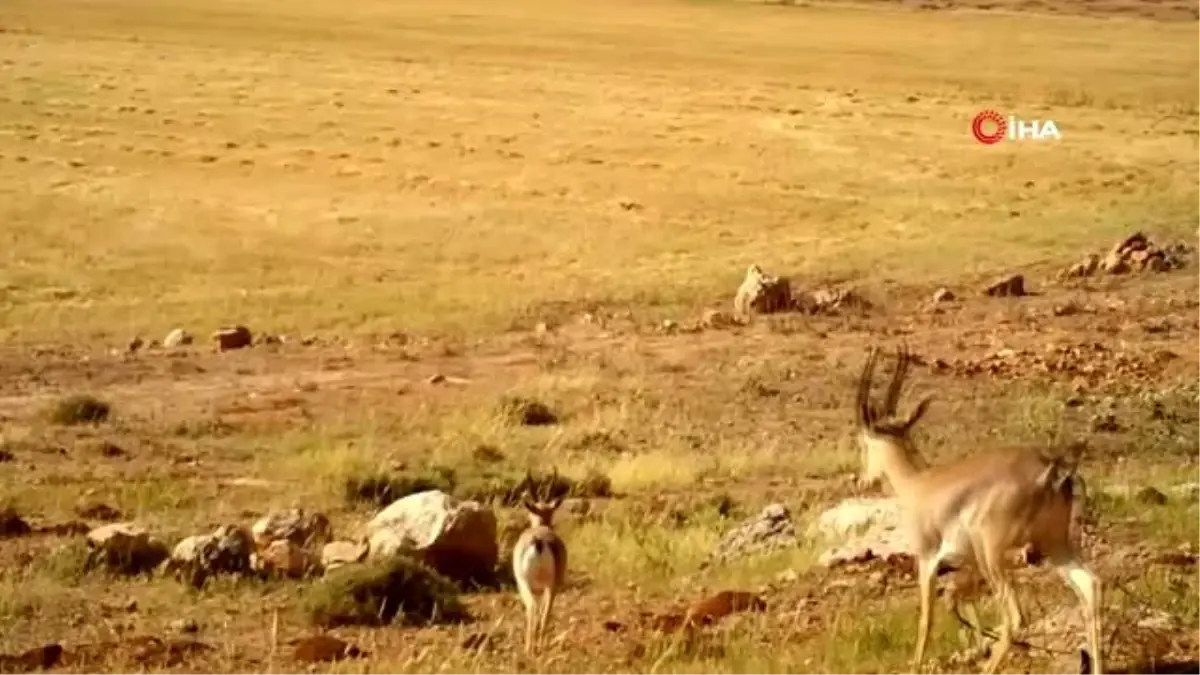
{"x": 542, "y": 199}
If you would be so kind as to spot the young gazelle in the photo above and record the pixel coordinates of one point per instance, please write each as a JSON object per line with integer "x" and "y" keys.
{"x": 974, "y": 510}
{"x": 540, "y": 567}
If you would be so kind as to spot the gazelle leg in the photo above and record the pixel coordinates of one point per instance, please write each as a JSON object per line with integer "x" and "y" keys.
{"x": 926, "y": 574}
{"x": 544, "y": 619}
{"x": 1087, "y": 588}
{"x": 527, "y": 599}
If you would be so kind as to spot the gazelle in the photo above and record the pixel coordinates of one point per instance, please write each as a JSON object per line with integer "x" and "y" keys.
{"x": 974, "y": 510}
{"x": 540, "y": 567}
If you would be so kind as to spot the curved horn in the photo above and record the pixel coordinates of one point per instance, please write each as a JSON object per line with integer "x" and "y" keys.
{"x": 862, "y": 400}
{"x": 893, "y": 391}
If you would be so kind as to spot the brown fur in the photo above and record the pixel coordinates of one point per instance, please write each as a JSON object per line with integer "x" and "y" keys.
{"x": 980, "y": 507}
{"x": 540, "y": 535}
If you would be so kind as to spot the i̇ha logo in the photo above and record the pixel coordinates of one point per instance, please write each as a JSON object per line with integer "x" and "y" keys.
{"x": 991, "y": 127}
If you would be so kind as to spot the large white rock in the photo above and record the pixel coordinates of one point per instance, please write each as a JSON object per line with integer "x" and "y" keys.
{"x": 456, "y": 538}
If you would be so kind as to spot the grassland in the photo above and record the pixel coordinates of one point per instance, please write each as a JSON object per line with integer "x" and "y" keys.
{"x": 415, "y": 186}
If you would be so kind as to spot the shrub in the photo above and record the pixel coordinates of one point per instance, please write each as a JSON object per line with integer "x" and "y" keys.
{"x": 396, "y": 591}
{"x": 79, "y": 409}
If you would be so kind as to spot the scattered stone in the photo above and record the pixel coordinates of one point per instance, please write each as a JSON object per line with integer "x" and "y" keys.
{"x": 722, "y": 604}
{"x": 861, "y": 530}
{"x": 177, "y": 338}
{"x": 124, "y": 548}
{"x": 1135, "y": 253}
{"x": 455, "y": 538}
{"x": 135, "y": 344}
{"x": 12, "y": 525}
{"x": 715, "y": 319}
{"x": 38, "y": 658}
{"x": 233, "y": 337}
{"x": 268, "y": 339}
{"x": 1009, "y": 287}
{"x": 338, "y": 553}
{"x": 669, "y": 325}
{"x": 762, "y": 293}
{"x": 527, "y": 412}
{"x": 943, "y": 294}
{"x": 305, "y": 529}
{"x": 285, "y": 558}
{"x": 227, "y": 550}
{"x": 1085, "y": 268}
{"x": 1150, "y": 496}
{"x": 1105, "y": 422}
{"x": 324, "y": 648}
{"x": 436, "y": 378}
{"x": 830, "y": 300}
{"x": 184, "y": 626}
{"x": 97, "y": 511}
{"x": 6, "y": 456}
{"x": 771, "y": 530}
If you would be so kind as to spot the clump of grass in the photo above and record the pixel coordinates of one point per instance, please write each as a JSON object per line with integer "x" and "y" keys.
{"x": 79, "y": 409}
{"x": 11, "y": 523}
{"x": 504, "y": 487}
{"x": 527, "y": 411}
{"x": 398, "y": 591}
{"x": 382, "y": 489}
{"x": 68, "y": 563}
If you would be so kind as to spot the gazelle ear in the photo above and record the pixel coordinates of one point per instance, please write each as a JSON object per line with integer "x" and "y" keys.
{"x": 917, "y": 413}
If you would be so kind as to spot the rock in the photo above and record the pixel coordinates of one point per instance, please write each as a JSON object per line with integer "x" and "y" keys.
{"x": 324, "y": 648}
{"x": 12, "y": 525}
{"x": 184, "y": 626}
{"x": 285, "y": 558}
{"x": 455, "y": 538}
{"x": 1085, "y": 268}
{"x": 97, "y": 511}
{"x": 233, "y": 337}
{"x": 124, "y": 548}
{"x": 38, "y": 658}
{"x": 943, "y": 294}
{"x": 829, "y": 300}
{"x": 720, "y": 605}
{"x": 135, "y": 344}
{"x": 761, "y": 293}
{"x": 771, "y": 530}
{"x": 305, "y": 529}
{"x": 1150, "y": 496}
{"x": 857, "y": 515}
{"x": 338, "y": 553}
{"x": 715, "y": 319}
{"x": 861, "y": 530}
{"x": 226, "y": 551}
{"x": 177, "y": 338}
{"x": 1010, "y": 286}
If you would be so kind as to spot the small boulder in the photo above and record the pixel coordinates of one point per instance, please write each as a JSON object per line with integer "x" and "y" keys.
{"x": 124, "y": 548}
{"x": 12, "y": 524}
{"x": 226, "y": 551}
{"x": 338, "y": 553}
{"x": 177, "y": 338}
{"x": 286, "y": 559}
{"x": 233, "y": 337}
{"x": 762, "y": 293}
{"x": 308, "y": 529}
{"x": 859, "y": 530}
{"x": 943, "y": 294}
{"x": 455, "y": 538}
{"x": 324, "y": 648}
{"x": 771, "y": 530}
{"x": 1008, "y": 287}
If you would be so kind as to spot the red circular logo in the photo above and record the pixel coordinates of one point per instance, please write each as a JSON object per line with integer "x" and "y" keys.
{"x": 983, "y": 119}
